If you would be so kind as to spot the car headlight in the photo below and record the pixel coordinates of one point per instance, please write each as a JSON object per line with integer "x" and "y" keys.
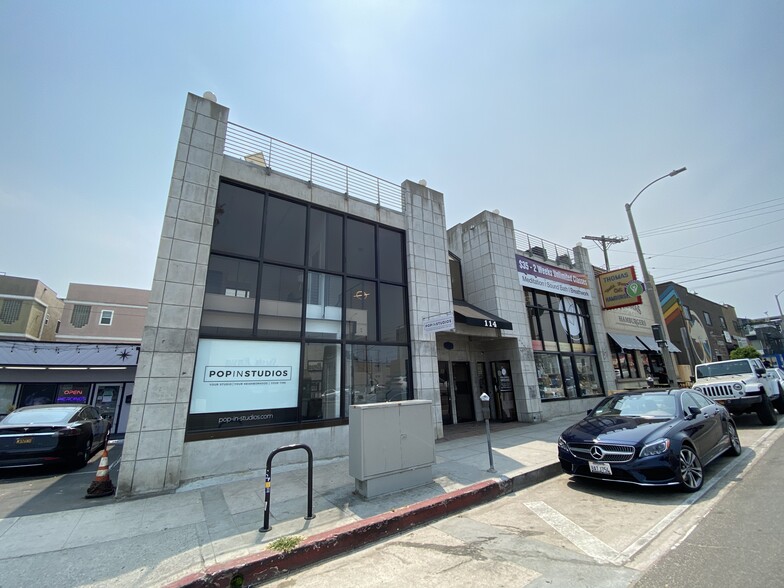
{"x": 697, "y": 388}
{"x": 738, "y": 387}
{"x": 562, "y": 444}
{"x": 655, "y": 448}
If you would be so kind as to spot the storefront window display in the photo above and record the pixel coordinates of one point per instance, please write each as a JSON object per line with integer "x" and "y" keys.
{"x": 308, "y": 317}
{"x": 625, "y": 364}
{"x": 563, "y": 345}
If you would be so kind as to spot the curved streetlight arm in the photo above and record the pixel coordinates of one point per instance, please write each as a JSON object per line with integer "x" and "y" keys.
{"x": 781, "y": 315}
{"x": 674, "y": 172}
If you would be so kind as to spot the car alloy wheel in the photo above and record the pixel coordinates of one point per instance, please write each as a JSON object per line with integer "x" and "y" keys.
{"x": 735, "y": 447}
{"x": 85, "y": 453}
{"x": 690, "y": 469}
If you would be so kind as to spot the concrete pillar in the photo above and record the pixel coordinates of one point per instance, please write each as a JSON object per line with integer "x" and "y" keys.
{"x": 487, "y": 249}
{"x": 156, "y": 423}
{"x": 430, "y": 292}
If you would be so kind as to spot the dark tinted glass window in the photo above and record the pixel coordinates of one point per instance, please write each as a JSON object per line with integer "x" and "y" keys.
{"x": 324, "y": 308}
{"x": 280, "y": 306}
{"x": 390, "y": 255}
{"x": 456, "y": 278}
{"x": 321, "y": 394}
{"x": 392, "y": 314}
{"x": 230, "y": 297}
{"x": 360, "y": 249}
{"x": 284, "y": 232}
{"x": 325, "y": 241}
{"x": 377, "y": 373}
{"x": 238, "y": 214}
{"x": 360, "y": 296}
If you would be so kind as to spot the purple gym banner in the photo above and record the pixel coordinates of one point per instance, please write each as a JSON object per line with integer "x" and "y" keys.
{"x": 541, "y": 276}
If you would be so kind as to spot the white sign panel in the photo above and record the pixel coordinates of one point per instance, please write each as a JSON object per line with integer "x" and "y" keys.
{"x": 233, "y": 376}
{"x": 442, "y": 322}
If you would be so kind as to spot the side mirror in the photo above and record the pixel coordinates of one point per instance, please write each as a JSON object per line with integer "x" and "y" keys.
{"x": 694, "y": 411}
{"x": 760, "y": 371}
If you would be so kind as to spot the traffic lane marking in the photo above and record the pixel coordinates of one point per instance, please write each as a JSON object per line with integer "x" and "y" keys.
{"x": 579, "y": 537}
{"x": 600, "y": 551}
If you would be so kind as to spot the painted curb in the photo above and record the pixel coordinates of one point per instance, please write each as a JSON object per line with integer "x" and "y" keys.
{"x": 268, "y": 564}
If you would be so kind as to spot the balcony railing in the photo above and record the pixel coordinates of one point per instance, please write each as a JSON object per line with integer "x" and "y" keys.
{"x": 281, "y": 157}
{"x": 547, "y": 250}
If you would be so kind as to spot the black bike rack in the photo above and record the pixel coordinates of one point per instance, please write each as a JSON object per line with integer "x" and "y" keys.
{"x": 268, "y": 483}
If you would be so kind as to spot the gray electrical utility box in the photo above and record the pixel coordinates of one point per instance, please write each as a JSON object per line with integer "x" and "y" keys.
{"x": 391, "y": 446}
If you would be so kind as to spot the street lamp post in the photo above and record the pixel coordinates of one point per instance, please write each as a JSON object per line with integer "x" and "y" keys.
{"x": 650, "y": 288}
{"x": 781, "y": 315}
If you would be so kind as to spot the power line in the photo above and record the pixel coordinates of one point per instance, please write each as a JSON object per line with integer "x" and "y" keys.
{"x": 729, "y": 272}
{"x": 720, "y": 237}
{"x": 700, "y": 221}
{"x": 726, "y": 261}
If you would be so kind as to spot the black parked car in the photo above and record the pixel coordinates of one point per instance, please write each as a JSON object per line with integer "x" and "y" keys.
{"x": 649, "y": 438}
{"x": 50, "y": 434}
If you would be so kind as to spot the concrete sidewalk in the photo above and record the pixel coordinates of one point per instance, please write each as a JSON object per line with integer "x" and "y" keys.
{"x": 207, "y": 532}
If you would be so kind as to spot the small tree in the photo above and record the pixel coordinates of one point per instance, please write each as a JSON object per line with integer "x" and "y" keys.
{"x": 747, "y": 352}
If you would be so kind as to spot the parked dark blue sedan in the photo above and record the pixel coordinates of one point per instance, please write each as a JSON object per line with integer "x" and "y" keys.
{"x": 649, "y": 438}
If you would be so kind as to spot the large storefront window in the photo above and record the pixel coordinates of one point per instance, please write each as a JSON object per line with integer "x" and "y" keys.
{"x": 376, "y": 373}
{"x": 305, "y": 312}
{"x": 563, "y": 344}
{"x": 625, "y": 364}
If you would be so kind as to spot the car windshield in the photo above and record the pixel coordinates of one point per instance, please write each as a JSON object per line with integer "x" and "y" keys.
{"x": 639, "y": 405}
{"x": 725, "y": 368}
{"x": 39, "y": 416}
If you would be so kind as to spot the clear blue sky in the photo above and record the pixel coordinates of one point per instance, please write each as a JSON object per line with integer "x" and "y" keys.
{"x": 555, "y": 113}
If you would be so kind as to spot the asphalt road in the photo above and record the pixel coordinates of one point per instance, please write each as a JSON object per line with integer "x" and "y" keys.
{"x": 31, "y": 491}
{"x": 739, "y": 542}
{"x": 571, "y": 533}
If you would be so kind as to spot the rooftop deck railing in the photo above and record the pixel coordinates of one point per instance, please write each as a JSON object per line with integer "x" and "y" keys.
{"x": 528, "y": 244}
{"x": 279, "y": 156}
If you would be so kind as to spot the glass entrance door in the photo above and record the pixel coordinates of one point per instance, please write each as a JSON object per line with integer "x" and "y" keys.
{"x": 446, "y": 398}
{"x": 107, "y": 396}
{"x": 464, "y": 397}
{"x": 504, "y": 391}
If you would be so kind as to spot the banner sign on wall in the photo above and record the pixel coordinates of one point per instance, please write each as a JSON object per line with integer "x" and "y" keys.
{"x": 541, "y": 276}
{"x": 442, "y": 322}
{"x": 620, "y": 288}
{"x": 235, "y": 376}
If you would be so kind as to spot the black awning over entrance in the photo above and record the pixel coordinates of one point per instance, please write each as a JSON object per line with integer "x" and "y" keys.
{"x": 469, "y": 314}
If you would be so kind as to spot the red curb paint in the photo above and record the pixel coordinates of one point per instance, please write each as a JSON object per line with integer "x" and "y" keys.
{"x": 269, "y": 564}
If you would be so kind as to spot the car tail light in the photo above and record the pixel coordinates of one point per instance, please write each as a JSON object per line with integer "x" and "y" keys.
{"x": 69, "y": 432}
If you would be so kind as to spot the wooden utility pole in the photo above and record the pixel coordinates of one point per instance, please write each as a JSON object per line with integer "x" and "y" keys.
{"x": 604, "y": 243}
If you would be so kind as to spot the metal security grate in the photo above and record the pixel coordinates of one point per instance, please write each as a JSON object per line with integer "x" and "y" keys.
{"x": 281, "y": 157}
{"x": 80, "y": 315}
{"x": 10, "y": 311}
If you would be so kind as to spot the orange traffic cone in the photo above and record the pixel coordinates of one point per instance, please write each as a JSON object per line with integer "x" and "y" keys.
{"x": 102, "y": 485}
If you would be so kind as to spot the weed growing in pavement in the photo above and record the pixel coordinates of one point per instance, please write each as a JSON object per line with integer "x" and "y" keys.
{"x": 286, "y": 544}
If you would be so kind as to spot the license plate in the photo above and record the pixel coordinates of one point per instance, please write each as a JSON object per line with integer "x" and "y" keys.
{"x": 24, "y": 440}
{"x": 600, "y": 468}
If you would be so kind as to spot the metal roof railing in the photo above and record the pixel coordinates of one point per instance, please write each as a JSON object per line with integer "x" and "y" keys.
{"x": 531, "y": 245}
{"x": 282, "y": 157}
